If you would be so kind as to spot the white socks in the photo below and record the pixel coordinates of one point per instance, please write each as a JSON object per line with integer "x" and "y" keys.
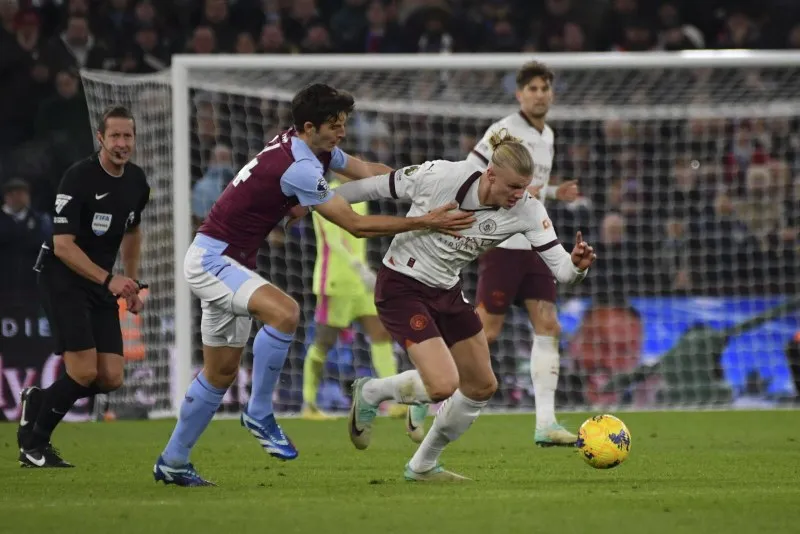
{"x": 405, "y": 388}
{"x": 544, "y": 374}
{"x": 454, "y": 417}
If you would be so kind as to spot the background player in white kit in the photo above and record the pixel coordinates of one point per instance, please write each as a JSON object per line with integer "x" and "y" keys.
{"x": 418, "y": 294}
{"x": 513, "y": 271}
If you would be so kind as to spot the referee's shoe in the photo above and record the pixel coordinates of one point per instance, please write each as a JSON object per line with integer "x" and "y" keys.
{"x": 30, "y": 403}
{"x": 38, "y": 456}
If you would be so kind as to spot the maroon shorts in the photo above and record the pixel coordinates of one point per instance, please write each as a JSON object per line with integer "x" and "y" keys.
{"x": 413, "y": 312}
{"x": 506, "y": 275}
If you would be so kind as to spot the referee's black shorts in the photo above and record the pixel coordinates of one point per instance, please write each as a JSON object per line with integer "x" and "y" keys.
{"x": 81, "y": 317}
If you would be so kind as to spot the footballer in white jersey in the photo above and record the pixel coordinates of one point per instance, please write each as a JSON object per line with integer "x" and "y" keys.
{"x": 436, "y": 259}
{"x": 419, "y": 298}
{"x": 513, "y": 272}
{"x": 541, "y": 146}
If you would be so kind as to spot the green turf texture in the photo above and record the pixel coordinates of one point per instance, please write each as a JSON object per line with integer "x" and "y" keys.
{"x": 711, "y": 472}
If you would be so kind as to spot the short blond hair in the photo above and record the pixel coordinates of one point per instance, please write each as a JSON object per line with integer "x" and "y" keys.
{"x": 509, "y": 152}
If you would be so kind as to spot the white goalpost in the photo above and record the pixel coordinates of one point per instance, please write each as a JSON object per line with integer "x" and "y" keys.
{"x": 686, "y": 162}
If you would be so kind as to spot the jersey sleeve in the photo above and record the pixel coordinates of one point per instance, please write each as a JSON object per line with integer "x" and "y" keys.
{"x": 404, "y": 182}
{"x": 137, "y": 213}
{"x": 542, "y": 236}
{"x": 540, "y": 233}
{"x": 401, "y": 183}
{"x": 304, "y": 180}
{"x": 338, "y": 158}
{"x": 69, "y": 203}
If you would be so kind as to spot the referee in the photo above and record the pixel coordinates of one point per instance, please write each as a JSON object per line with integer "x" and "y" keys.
{"x": 97, "y": 214}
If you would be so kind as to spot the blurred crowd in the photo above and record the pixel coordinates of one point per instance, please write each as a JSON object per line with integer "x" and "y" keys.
{"x": 688, "y": 206}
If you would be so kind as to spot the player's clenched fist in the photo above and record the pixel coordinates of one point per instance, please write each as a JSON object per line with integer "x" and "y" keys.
{"x": 582, "y": 254}
{"x": 447, "y": 217}
{"x": 122, "y": 286}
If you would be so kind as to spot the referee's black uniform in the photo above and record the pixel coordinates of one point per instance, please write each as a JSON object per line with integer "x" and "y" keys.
{"x": 97, "y": 208}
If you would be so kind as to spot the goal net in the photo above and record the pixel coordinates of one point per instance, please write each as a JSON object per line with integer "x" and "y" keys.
{"x": 686, "y": 166}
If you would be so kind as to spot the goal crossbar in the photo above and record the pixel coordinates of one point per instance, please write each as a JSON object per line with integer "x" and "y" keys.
{"x": 436, "y": 62}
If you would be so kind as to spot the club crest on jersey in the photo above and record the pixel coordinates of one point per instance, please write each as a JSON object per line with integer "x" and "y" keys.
{"x": 101, "y": 223}
{"x": 488, "y": 227}
{"x": 322, "y": 188}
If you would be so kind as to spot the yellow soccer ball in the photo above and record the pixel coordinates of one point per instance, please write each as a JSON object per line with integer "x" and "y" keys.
{"x": 604, "y": 441}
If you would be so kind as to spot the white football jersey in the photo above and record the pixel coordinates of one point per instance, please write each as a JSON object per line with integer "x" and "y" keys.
{"x": 436, "y": 259}
{"x": 540, "y": 145}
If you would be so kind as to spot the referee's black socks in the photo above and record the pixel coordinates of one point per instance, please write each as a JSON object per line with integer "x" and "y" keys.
{"x": 58, "y": 400}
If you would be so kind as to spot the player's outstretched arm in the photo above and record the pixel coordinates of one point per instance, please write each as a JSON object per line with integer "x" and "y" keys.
{"x": 357, "y": 169}
{"x": 445, "y": 218}
{"x": 375, "y": 187}
{"x": 68, "y": 251}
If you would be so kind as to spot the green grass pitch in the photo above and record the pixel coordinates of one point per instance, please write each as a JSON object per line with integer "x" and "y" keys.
{"x": 708, "y": 472}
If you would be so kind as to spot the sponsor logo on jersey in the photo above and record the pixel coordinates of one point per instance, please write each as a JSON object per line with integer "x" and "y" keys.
{"x": 60, "y": 220}
{"x": 131, "y": 217}
{"x": 101, "y": 223}
{"x": 61, "y": 201}
{"x": 488, "y": 226}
